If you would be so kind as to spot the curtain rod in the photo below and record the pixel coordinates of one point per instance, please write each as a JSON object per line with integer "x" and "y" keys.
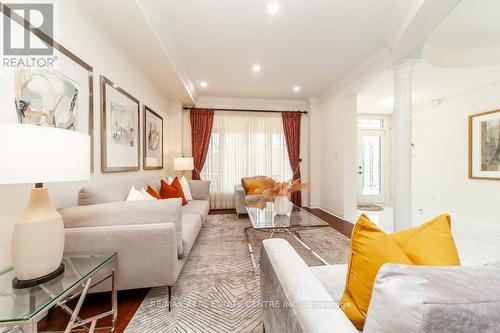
{"x": 219, "y": 109}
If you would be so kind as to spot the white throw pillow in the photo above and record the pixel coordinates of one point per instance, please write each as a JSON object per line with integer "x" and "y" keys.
{"x": 146, "y": 195}
{"x": 186, "y": 189}
{"x": 134, "y": 195}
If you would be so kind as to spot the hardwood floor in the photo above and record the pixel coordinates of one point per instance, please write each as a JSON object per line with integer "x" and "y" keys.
{"x": 130, "y": 300}
{"x": 128, "y": 303}
{"x": 344, "y": 227}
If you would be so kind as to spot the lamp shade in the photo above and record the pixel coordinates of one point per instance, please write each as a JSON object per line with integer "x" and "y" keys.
{"x": 38, "y": 154}
{"x": 183, "y": 163}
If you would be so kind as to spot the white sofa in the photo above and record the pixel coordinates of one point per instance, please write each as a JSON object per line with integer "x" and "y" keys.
{"x": 409, "y": 299}
{"x": 152, "y": 238}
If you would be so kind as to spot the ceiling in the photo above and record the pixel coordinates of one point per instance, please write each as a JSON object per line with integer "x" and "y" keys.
{"x": 429, "y": 83}
{"x": 468, "y": 36}
{"x": 464, "y": 45}
{"x": 132, "y": 33}
{"x": 472, "y": 24}
{"x": 312, "y": 44}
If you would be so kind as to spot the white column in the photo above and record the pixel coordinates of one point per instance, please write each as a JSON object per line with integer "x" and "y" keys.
{"x": 402, "y": 123}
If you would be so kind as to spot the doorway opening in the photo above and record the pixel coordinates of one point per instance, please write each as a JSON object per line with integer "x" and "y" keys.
{"x": 373, "y": 148}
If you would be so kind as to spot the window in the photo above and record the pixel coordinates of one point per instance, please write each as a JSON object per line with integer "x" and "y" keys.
{"x": 244, "y": 144}
{"x": 371, "y": 123}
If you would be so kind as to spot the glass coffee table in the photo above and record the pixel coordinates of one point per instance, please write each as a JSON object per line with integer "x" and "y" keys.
{"x": 24, "y": 308}
{"x": 265, "y": 219}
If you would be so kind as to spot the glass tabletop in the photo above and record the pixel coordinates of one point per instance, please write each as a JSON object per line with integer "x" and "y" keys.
{"x": 22, "y": 304}
{"x": 266, "y": 217}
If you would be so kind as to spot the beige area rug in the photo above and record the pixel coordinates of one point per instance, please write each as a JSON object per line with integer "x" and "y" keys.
{"x": 217, "y": 290}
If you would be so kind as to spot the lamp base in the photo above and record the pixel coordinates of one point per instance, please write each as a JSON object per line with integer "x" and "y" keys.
{"x": 38, "y": 238}
{"x": 21, "y": 284}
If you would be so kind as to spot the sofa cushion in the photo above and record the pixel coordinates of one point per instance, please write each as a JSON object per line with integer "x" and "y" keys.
{"x": 200, "y": 207}
{"x": 428, "y": 299}
{"x": 332, "y": 277}
{"x": 200, "y": 189}
{"x": 126, "y": 213}
{"x": 191, "y": 225}
{"x": 93, "y": 195}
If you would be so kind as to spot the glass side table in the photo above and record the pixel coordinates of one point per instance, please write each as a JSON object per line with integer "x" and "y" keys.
{"x": 24, "y": 308}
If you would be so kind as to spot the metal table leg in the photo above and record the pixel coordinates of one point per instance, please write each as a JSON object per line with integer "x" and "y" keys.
{"x": 114, "y": 296}
{"x": 78, "y": 306}
{"x": 304, "y": 244}
{"x": 250, "y": 249}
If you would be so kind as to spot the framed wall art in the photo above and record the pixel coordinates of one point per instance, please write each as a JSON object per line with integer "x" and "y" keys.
{"x": 153, "y": 140}
{"x": 120, "y": 128}
{"x": 484, "y": 145}
{"x": 56, "y": 90}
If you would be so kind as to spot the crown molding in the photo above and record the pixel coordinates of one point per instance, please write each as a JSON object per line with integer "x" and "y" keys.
{"x": 380, "y": 59}
{"x": 148, "y": 9}
{"x": 275, "y": 104}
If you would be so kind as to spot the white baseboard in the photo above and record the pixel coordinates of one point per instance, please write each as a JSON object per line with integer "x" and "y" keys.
{"x": 314, "y": 206}
{"x": 332, "y": 211}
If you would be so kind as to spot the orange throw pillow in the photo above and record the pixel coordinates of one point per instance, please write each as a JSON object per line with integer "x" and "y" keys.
{"x": 169, "y": 192}
{"x": 152, "y": 192}
{"x": 177, "y": 185}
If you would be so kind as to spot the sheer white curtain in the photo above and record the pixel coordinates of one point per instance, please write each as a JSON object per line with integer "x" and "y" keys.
{"x": 244, "y": 144}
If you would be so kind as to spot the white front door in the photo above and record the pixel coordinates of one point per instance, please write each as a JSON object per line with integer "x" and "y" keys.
{"x": 371, "y": 166}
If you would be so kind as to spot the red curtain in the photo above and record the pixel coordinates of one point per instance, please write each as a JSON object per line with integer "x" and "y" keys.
{"x": 291, "y": 128}
{"x": 201, "y": 130}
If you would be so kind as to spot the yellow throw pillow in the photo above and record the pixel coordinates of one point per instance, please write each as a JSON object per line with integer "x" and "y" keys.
{"x": 254, "y": 185}
{"x": 370, "y": 249}
{"x": 429, "y": 244}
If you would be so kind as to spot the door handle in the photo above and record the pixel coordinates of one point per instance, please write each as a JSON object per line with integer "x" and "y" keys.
{"x": 360, "y": 172}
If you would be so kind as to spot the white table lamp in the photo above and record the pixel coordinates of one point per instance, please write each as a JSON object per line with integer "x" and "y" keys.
{"x": 183, "y": 164}
{"x": 35, "y": 154}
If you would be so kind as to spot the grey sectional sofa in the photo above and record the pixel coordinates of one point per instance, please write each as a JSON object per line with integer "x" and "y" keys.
{"x": 152, "y": 238}
{"x": 410, "y": 299}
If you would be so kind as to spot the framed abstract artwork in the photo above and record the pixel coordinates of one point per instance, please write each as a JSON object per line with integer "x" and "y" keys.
{"x": 57, "y": 92}
{"x": 484, "y": 145}
{"x": 119, "y": 129}
{"x": 153, "y": 140}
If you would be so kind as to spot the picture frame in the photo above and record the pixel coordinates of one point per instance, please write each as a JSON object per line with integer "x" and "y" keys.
{"x": 152, "y": 140}
{"x": 68, "y": 69}
{"x": 484, "y": 145}
{"x": 120, "y": 129}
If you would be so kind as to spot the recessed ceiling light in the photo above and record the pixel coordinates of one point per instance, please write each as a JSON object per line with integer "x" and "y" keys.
{"x": 273, "y": 8}
{"x": 203, "y": 84}
{"x": 296, "y": 88}
{"x": 256, "y": 68}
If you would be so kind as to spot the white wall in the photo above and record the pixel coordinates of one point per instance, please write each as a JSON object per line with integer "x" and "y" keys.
{"x": 440, "y": 159}
{"x": 79, "y": 34}
{"x": 333, "y": 154}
